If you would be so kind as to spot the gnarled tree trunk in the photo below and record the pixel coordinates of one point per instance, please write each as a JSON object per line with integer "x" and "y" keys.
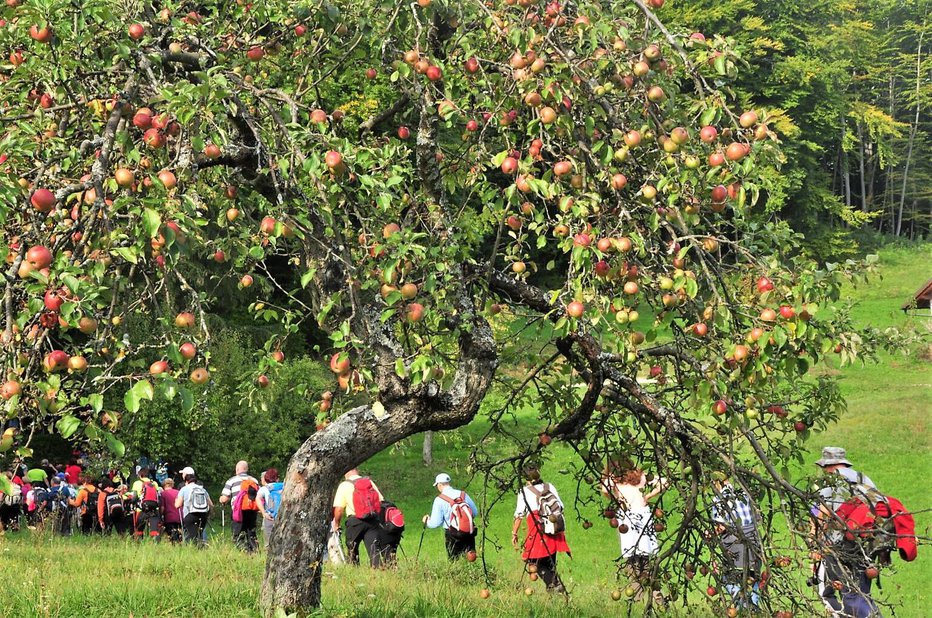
{"x": 296, "y": 550}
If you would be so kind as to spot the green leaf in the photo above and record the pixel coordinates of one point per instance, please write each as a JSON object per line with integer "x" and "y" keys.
{"x": 131, "y": 401}
{"x": 144, "y": 390}
{"x": 187, "y": 399}
{"x": 6, "y": 486}
{"x": 152, "y": 222}
{"x": 720, "y": 64}
{"x": 67, "y": 425}
{"x": 400, "y": 367}
{"x": 127, "y": 253}
{"x": 114, "y": 445}
{"x": 96, "y": 401}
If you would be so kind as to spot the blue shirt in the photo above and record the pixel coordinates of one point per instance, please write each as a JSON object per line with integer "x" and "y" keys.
{"x": 441, "y": 511}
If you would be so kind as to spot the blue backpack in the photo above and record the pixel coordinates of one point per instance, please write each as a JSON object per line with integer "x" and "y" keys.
{"x": 275, "y": 498}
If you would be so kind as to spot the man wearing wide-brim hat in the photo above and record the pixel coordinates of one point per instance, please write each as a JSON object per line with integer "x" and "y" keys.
{"x": 841, "y": 568}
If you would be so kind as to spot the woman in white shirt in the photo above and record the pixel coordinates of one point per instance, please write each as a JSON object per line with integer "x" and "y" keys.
{"x": 637, "y": 535}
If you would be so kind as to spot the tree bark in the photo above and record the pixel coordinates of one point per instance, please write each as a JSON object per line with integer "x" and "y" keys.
{"x": 861, "y": 169}
{"x": 845, "y": 177}
{"x": 912, "y": 136}
{"x": 427, "y": 452}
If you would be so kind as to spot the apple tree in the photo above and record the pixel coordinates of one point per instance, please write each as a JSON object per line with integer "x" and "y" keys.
{"x": 410, "y": 179}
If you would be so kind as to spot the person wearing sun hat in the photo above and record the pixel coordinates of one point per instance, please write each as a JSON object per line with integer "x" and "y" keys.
{"x": 841, "y": 569}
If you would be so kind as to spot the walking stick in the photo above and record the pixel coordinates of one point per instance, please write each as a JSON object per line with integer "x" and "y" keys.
{"x": 419, "y": 543}
{"x": 223, "y": 520}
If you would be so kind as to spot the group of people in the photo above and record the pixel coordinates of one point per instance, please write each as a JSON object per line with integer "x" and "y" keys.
{"x": 843, "y": 572}
{"x": 66, "y": 498}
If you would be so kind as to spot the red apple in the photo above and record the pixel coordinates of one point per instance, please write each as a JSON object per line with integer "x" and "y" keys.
{"x": 434, "y": 73}
{"x": 263, "y": 381}
{"x": 188, "y": 350}
{"x": 339, "y": 366}
{"x": 53, "y": 300}
{"x": 43, "y": 35}
{"x": 764, "y": 285}
{"x": 333, "y": 159}
{"x": 720, "y": 407}
{"x": 575, "y": 309}
{"x": 185, "y": 319}
{"x": 787, "y": 312}
{"x": 414, "y": 312}
{"x": 38, "y": 257}
{"x": 137, "y": 31}
{"x": 700, "y": 329}
{"x": 158, "y": 367}
{"x": 199, "y": 376}
{"x": 43, "y": 200}
{"x": 255, "y": 54}
{"x": 510, "y": 165}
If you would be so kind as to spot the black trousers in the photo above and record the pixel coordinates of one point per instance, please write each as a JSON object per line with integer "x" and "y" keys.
{"x": 458, "y": 544}
{"x": 244, "y": 532}
{"x": 148, "y": 517}
{"x": 194, "y": 524}
{"x": 358, "y": 532}
{"x": 9, "y": 515}
{"x": 173, "y": 530}
{"x": 547, "y": 571}
{"x": 88, "y": 522}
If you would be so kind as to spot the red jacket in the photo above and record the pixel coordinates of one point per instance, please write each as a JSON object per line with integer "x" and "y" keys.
{"x": 859, "y": 515}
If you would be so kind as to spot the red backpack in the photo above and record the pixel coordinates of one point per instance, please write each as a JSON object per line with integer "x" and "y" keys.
{"x": 461, "y": 518}
{"x": 366, "y": 503}
{"x": 149, "y": 496}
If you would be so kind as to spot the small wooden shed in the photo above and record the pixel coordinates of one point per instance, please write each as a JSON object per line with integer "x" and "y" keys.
{"x": 922, "y": 299}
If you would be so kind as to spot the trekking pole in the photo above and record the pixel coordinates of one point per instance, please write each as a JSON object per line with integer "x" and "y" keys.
{"x": 420, "y": 543}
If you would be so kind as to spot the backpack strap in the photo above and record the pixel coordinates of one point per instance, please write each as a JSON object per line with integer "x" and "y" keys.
{"x": 448, "y": 499}
{"x": 535, "y": 491}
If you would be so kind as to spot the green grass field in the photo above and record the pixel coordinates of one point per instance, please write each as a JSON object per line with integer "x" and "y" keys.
{"x": 885, "y": 432}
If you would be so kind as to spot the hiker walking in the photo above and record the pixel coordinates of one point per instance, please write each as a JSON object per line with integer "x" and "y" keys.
{"x": 60, "y": 496}
{"x": 171, "y": 515}
{"x": 540, "y": 507}
{"x": 843, "y": 564}
{"x": 146, "y": 493}
{"x": 111, "y": 512}
{"x": 86, "y": 504}
{"x": 736, "y": 526}
{"x": 628, "y": 487}
{"x": 195, "y": 505}
{"x": 360, "y": 501}
{"x": 455, "y": 511}
{"x": 243, "y": 525}
{"x": 11, "y": 505}
{"x": 269, "y": 499}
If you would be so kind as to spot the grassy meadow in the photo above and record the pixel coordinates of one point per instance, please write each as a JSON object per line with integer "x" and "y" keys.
{"x": 885, "y": 432}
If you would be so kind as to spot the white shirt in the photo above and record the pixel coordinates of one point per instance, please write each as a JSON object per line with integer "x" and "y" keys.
{"x": 527, "y": 500}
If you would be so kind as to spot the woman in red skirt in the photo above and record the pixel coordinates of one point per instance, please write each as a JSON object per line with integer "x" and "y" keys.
{"x": 540, "y": 547}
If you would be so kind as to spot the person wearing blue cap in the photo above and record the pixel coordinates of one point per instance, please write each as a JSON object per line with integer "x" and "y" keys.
{"x": 455, "y": 511}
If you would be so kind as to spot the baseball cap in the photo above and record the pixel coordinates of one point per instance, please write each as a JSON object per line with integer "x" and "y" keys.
{"x": 443, "y": 477}
{"x": 187, "y": 470}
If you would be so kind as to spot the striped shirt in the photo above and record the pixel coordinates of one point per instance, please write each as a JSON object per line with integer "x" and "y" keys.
{"x": 232, "y": 486}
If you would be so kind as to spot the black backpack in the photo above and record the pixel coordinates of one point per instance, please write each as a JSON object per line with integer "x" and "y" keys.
{"x": 113, "y": 506}
{"x": 91, "y": 500}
